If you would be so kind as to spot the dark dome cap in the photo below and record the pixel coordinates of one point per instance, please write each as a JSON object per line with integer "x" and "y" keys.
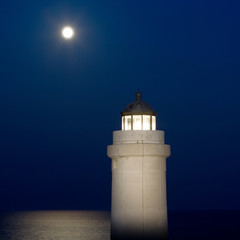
{"x": 138, "y": 107}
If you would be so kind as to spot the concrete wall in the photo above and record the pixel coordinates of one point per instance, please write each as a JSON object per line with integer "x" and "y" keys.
{"x": 139, "y": 206}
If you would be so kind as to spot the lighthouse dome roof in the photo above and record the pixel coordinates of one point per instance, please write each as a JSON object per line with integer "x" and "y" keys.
{"x": 138, "y": 107}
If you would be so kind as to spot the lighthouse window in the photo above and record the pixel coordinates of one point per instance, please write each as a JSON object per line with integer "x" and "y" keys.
{"x": 137, "y": 122}
{"x": 153, "y": 123}
{"x": 146, "y": 122}
{"x": 128, "y": 123}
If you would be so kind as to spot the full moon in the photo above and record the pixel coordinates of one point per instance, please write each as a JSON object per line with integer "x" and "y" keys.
{"x": 67, "y": 32}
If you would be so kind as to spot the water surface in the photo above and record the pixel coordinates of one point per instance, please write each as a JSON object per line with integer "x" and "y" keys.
{"x": 59, "y": 225}
{"x": 95, "y": 225}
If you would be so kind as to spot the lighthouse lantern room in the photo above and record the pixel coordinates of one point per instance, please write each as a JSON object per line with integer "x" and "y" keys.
{"x": 138, "y": 116}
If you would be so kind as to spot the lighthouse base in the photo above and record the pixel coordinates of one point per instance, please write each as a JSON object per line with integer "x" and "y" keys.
{"x": 130, "y": 235}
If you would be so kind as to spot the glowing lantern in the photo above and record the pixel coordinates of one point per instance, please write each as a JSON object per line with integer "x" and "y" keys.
{"x": 138, "y": 115}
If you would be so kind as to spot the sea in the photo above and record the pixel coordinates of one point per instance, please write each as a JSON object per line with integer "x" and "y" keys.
{"x": 95, "y": 225}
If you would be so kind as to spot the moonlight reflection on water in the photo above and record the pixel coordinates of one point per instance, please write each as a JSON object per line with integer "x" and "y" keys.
{"x": 61, "y": 225}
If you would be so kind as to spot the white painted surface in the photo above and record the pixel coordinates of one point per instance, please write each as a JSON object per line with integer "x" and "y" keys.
{"x": 136, "y": 136}
{"x": 139, "y": 198}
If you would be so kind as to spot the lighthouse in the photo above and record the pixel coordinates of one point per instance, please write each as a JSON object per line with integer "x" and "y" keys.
{"x": 138, "y": 154}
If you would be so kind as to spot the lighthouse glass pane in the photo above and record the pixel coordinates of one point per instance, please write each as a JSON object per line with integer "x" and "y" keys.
{"x": 137, "y": 122}
{"x": 127, "y": 122}
{"x": 146, "y": 122}
{"x": 153, "y": 123}
{"x": 122, "y": 123}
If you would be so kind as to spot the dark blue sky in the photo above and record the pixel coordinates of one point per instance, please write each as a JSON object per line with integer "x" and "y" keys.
{"x": 61, "y": 99}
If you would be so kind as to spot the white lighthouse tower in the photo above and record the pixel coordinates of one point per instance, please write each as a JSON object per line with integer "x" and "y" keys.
{"x": 138, "y": 153}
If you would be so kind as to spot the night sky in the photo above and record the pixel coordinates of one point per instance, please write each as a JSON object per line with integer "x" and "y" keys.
{"x": 60, "y": 100}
